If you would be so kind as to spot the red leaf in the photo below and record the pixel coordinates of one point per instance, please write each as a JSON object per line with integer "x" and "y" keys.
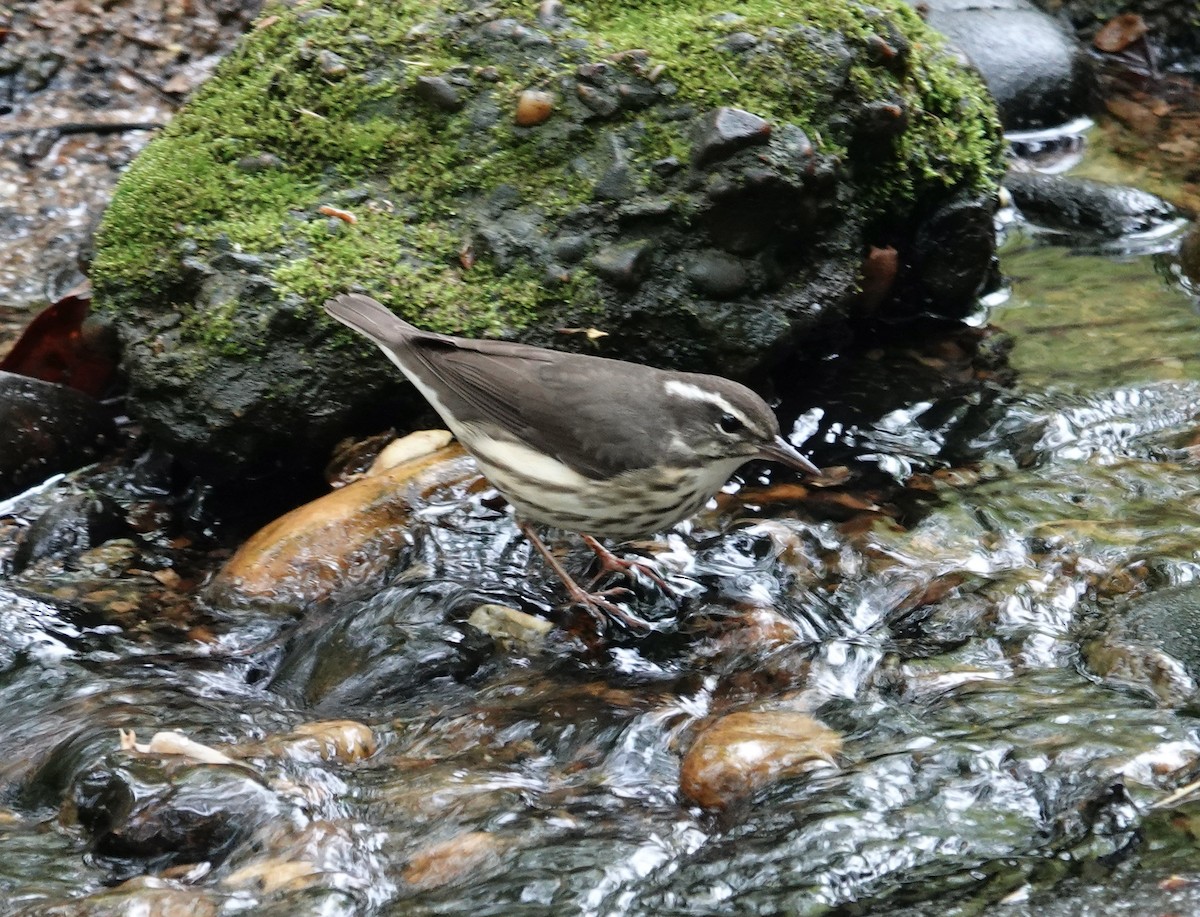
{"x": 60, "y": 345}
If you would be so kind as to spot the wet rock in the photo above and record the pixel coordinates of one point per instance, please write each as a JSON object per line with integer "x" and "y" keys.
{"x": 250, "y": 377}
{"x": 717, "y": 275}
{"x": 953, "y": 255}
{"x": 68, "y": 528}
{"x": 45, "y": 429}
{"x": 449, "y": 861}
{"x": 327, "y": 740}
{"x": 510, "y": 627}
{"x": 166, "y": 812}
{"x": 439, "y": 93}
{"x": 624, "y": 266}
{"x": 146, "y": 895}
{"x": 724, "y": 131}
{"x": 1032, "y": 65}
{"x": 1086, "y": 207}
{"x": 347, "y": 538}
{"x": 743, "y": 752}
{"x": 379, "y": 651}
{"x": 1153, "y": 643}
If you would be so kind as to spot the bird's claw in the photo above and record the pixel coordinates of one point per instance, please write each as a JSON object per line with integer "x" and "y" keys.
{"x": 602, "y": 610}
{"x": 611, "y": 563}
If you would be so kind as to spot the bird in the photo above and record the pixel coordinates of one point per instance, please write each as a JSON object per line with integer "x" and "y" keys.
{"x": 597, "y": 446}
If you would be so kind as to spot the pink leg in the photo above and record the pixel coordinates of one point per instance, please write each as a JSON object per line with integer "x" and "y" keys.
{"x": 611, "y": 563}
{"x": 595, "y": 603}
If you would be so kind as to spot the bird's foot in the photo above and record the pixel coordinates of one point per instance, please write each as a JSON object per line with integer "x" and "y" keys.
{"x": 602, "y": 610}
{"x": 611, "y": 563}
{"x": 597, "y": 604}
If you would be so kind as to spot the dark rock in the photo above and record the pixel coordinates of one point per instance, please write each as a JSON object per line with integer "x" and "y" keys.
{"x": 240, "y": 261}
{"x": 240, "y": 380}
{"x": 636, "y": 96}
{"x": 717, "y": 275}
{"x": 70, "y": 526}
{"x": 724, "y": 131}
{"x": 668, "y": 165}
{"x": 616, "y": 184}
{"x": 600, "y": 103}
{"x": 739, "y": 41}
{"x": 1153, "y": 642}
{"x": 1080, "y": 205}
{"x": 879, "y": 121}
{"x": 382, "y": 650}
{"x": 436, "y": 91}
{"x": 570, "y": 248}
{"x": 162, "y": 812}
{"x": 953, "y": 254}
{"x": 45, "y": 429}
{"x": 1032, "y": 65}
{"x": 624, "y": 266}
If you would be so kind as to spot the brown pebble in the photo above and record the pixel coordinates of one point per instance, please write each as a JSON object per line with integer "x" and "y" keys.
{"x": 742, "y": 752}
{"x": 533, "y": 107}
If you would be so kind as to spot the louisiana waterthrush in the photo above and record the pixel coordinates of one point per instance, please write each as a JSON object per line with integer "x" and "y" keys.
{"x": 587, "y": 444}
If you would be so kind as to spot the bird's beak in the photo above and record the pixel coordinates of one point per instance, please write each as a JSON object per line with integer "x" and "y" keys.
{"x": 782, "y": 451}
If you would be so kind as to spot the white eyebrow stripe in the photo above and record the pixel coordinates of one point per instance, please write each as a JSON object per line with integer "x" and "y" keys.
{"x": 696, "y": 393}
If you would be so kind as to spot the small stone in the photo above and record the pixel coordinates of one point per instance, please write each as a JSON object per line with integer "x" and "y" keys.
{"x": 436, "y": 91}
{"x": 724, "y": 131}
{"x": 743, "y": 752}
{"x": 488, "y": 74}
{"x": 331, "y": 65}
{"x": 616, "y": 184}
{"x": 259, "y": 162}
{"x": 717, "y": 275}
{"x": 624, "y": 266}
{"x": 509, "y": 627}
{"x": 667, "y": 166}
{"x": 635, "y": 96}
{"x": 600, "y": 103}
{"x": 739, "y": 41}
{"x": 533, "y": 107}
{"x": 593, "y": 73}
{"x": 550, "y": 12}
{"x": 569, "y": 249}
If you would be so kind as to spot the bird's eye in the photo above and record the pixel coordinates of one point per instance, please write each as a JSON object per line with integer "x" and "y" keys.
{"x": 730, "y": 424}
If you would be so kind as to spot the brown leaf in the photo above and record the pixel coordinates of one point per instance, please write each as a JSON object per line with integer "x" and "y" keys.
{"x": 1120, "y": 32}
{"x": 62, "y": 345}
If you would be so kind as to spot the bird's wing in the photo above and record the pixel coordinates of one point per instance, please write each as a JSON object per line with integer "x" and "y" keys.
{"x": 561, "y": 404}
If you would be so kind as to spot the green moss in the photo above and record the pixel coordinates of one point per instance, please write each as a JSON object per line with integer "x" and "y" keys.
{"x": 282, "y": 94}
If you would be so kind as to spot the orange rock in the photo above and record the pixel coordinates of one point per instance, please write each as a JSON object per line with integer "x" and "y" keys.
{"x": 344, "y": 539}
{"x": 442, "y": 863}
{"x": 533, "y": 107}
{"x": 743, "y": 752}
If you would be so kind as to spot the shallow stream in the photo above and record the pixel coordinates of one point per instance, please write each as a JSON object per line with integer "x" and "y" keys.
{"x": 971, "y": 693}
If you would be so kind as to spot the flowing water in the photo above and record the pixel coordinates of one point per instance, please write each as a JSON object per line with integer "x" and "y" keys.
{"x": 979, "y": 646}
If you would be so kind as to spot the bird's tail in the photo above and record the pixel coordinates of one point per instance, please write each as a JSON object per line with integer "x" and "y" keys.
{"x": 370, "y": 318}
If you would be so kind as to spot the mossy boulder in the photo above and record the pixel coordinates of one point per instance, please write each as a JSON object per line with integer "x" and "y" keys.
{"x": 711, "y": 183}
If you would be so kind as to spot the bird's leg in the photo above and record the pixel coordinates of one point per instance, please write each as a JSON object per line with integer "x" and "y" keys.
{"x": 595, "y": 603}
{"x": 611, "y": 563}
